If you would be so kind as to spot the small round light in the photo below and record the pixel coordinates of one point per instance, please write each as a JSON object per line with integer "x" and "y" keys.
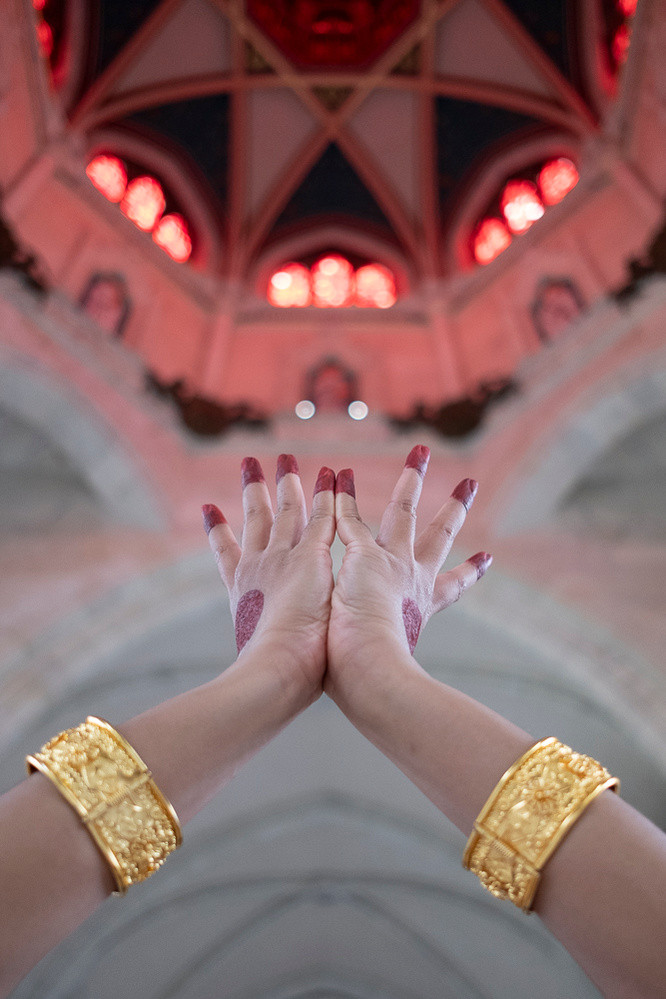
{"x": 491, "y": 238}
{"x": 357, "y": 410}
{"x": 143, "y": 202}
{"x": 521, "y": 205}
{"x": 305, "y": 409}
{"x": 290, "y": 286}
{"x": 109, "y": 176}
{"x": 556, "y": 179}
{"x": 172, "y": 234}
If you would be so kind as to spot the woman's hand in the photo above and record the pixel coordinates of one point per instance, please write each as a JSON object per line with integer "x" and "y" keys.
{"x": 388, "y": 588}
{"x": 280, "y": 577}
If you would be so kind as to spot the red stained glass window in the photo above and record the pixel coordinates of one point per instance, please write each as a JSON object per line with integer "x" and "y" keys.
{"x": 521, "y": 205}
{"x": 556, "y": 179}
{"x": 375, "y": 287}
{"x": 109, "y": 176}
{"x": 171, "y": 233}
{"x": 143, "y": 202}
{"x": 620, "y": 45}
{"x": 290, "y": 286}
{"x": 492, "y": 238}
{"x": 45, "y": 38}
{"x": 332, "y": 282}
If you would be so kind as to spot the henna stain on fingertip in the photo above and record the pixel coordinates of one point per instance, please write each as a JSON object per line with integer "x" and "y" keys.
{"x": 325, "y": 480}
{"x": 344, "y": 482}
{"x": 481, "y": 561}
{"x": 286, "y": 463}
{"x": 465, "y": 492}
{"x": 248, "y": 612}
{"x": 212, "y": 516}
{"x": 251, "y": 471}
{"x": 418, "y": 459}
{"x": 411, "y": 618}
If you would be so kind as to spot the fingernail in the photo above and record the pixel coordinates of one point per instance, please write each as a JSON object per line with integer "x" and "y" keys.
{"x": 325, "y": 480}
{"x": 251, "y": 472}
{"x": 285, "y": 463}
{"x": 481, "y": 560}
{"x": 212, "y": 516}
{"x": 465, "y": 492}
{"x": 418, "y": 459}
{"x": 344, "y": 482}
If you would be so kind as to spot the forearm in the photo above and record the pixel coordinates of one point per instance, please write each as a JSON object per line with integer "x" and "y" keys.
{"x": 51, "y": 873}
{"x": 602, "y": 891}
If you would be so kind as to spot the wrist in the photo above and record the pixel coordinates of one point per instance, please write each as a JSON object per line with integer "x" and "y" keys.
{"x": 354, "y": 681}
{"x": 295, "y": 679}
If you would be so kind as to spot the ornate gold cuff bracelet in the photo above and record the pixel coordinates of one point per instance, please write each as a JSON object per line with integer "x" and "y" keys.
{"x": 110, "y": 788}
{"x": 531, "y": 810}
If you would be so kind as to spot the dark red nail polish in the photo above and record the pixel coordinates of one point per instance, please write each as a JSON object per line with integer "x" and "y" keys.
{"x": 212, "y": 516}
{"x": 344, "y": 482}
{"x": 251, "y": 472}
{"x": 325, "y": 480}
{"x": 465, "y": 492}
{"x": 411, "y": 617}
{"x": 285, "y": 463}
{"x": 481, "y": 561}
{"x": 418, "y": 459}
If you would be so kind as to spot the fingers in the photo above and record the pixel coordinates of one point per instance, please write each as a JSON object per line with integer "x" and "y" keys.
{"x": 396, "y": 531}
{"x": 257, "y": 510}
{"x": 291, "y": 515}
{"x": 434, "y": 544}
{"x": 349, "y": 524}
{"x": 223, "y": 544}
{"x": 451, "y": 585}
{"x": 321, "y": 526}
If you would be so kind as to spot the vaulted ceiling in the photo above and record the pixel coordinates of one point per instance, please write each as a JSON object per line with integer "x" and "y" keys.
{"x": 378, "y": 115}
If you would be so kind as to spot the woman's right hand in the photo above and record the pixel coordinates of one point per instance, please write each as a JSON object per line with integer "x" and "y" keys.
{"x": 389, "y": 587}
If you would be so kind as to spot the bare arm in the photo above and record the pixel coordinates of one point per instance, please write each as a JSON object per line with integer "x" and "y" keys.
{"x": 51, "y": 874}
{"x": 602, "y": 892}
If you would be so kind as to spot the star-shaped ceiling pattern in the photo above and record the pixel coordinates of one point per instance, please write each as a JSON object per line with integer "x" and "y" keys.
{"x": 375, "y": 116}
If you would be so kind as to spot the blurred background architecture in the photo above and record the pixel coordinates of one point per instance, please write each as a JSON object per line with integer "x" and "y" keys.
{"x": 339, "y": 229}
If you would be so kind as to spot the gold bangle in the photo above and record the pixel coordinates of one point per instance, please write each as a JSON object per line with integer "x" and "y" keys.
{"x": 532, "y": 808}
{"x": 111, "y": 789}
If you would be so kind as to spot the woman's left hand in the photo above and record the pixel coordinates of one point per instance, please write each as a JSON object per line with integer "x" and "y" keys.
{"x": 280, "y": 577}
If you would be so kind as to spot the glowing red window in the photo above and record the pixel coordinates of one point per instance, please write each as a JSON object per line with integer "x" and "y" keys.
{"x": 556, "y": 179}
{"x": 109, "y": 176}
{"x": 39, "y": 4}
{"x": 375, "y": 287}
{"x": 332, "y": 282}
{"x": 620, "y": 45}
{"x": 521, "y": 205}
{"x": 492, "y": 238}
{"x": 627, "y": 7}
{"x": 290, "y": 286}
{"x": 171, "y": 233}
{"x": 45, "y": 38}
{"x": 143, "y": 202}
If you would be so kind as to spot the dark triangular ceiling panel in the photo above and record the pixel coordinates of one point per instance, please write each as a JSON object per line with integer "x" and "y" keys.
{"x": 118, "y": 22}
{"x": 467, "y": 134}
{"x": 549, "y": 26}
{"x": 332, "y": 188}
{"x": 199, "y": 129}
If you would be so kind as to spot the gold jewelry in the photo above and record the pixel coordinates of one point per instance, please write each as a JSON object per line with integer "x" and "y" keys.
{"x": 527, "y": 816}
{"x": 111, "y": 789}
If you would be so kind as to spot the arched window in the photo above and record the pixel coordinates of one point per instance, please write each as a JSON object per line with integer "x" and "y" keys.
{"x": 332, "y": 280}
{"x": 145, "y": 201}
{"x": 521, "y": 202}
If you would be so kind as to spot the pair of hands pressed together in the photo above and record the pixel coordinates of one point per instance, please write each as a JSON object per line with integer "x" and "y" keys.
{"x": 280, "y": 581}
